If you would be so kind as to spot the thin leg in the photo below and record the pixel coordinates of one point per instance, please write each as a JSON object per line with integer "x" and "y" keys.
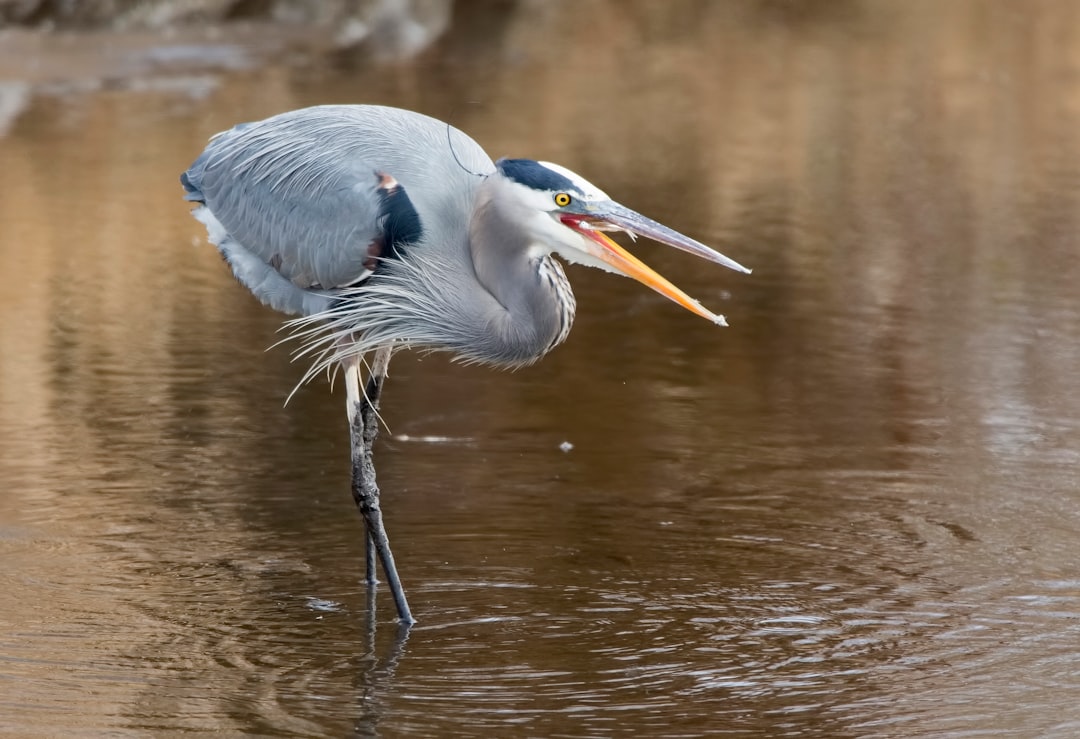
{"x": 370, "y": 568}
{"x": 360, "y": 450}
{"x": 363, "y": 428}
{"x": 354, "y": 408}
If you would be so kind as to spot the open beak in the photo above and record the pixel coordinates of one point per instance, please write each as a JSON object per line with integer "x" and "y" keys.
{"x": 610, "y": 216}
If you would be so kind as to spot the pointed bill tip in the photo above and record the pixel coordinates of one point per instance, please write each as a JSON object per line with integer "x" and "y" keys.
{"x": 721, "y": 259}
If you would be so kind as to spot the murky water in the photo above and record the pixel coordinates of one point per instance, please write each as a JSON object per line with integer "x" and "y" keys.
{"x": 856, "y": 512}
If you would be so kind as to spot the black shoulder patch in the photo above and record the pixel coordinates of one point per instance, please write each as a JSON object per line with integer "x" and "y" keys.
{"x": 398, "y": 220}
{"x": 534, "y": 174}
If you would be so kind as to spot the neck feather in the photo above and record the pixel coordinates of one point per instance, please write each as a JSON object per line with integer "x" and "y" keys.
{"x": 518, "y": 271}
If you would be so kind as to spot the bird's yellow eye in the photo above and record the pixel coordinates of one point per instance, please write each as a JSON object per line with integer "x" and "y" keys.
{"x": 562, "y": 199}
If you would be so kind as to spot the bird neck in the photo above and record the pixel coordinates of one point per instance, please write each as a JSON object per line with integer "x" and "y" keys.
{"x": 510, "y": 264}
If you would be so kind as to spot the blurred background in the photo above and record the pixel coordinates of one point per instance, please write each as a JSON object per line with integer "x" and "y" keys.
{"x": 855, "y": 512}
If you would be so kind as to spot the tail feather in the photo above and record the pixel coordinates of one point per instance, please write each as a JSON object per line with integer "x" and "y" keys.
{"x": 193, "y": 193}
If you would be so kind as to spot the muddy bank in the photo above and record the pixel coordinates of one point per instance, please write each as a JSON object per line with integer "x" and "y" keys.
{"x": 57, "y": 48}
{"x": 125, "y": 14}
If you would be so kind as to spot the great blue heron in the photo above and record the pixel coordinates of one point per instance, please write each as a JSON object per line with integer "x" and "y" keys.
{"x": 383, "y": 228}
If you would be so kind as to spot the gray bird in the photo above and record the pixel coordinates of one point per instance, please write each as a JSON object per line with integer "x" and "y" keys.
{"x": 383, "y": 229}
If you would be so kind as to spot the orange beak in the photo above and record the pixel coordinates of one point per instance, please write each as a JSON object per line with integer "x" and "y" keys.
{"x": 612, "y": 216}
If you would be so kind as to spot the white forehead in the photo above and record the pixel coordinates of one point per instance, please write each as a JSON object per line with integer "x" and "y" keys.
{"x": 588, "y": 189}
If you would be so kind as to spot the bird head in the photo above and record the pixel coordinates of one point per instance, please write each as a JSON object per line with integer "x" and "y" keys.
{"x": 571, "y": 216}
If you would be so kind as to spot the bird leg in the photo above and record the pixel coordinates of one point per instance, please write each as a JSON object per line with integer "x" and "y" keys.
{"x": 360, "y": 456}
{"x": 369, "y": 422}
{"x": 363, "y": 428}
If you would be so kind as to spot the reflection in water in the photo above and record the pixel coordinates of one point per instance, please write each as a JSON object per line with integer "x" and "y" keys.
{"x": 854, "y": 512}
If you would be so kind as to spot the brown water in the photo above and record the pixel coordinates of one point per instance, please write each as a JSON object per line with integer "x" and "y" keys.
{"x": 856, "y": 512}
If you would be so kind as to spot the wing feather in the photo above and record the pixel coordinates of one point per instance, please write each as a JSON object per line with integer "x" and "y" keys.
{"x": 301, "y": 191}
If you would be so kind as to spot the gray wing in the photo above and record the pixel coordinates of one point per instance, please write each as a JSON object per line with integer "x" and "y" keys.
{"x": 307, "y": 201}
